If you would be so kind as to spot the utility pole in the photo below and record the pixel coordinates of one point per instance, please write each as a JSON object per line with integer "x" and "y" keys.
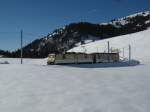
{"x": 97, "y": 50}
{"x": 84, "y": 49}
{"x": 108, "y": 51}
{"x": 111, "y": 49}
{"x": 129, "y": 52}
{"x": 123, "y": 52}
{"x": 108, "y": 47}
{"x": 21, "y": 39}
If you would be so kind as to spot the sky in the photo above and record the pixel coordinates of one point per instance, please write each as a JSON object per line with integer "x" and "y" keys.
{"x": 39, "y": 17}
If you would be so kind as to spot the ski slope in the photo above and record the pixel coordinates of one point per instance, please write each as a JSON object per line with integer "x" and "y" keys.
{"x": 34, "y": 87}
{"x": 139, "y": 44}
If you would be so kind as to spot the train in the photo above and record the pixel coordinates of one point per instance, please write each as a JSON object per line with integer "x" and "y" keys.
{"x": 82, "y": 58}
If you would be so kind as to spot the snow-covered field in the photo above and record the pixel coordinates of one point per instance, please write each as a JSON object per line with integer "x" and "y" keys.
{"x": 34, "y": 87}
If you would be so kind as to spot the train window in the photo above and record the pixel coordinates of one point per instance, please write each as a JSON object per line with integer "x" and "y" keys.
{"x": 99, "y": 56}
{"x": 51, "y": 56}
{"x": 64, "y": 56}
{"x": 85, "y": 56}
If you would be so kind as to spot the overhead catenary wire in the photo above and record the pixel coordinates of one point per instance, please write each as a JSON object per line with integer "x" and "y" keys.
{"x": 25, "y": 33}
{"x": 21, "y": 36}
{"x": 1, "y": 32}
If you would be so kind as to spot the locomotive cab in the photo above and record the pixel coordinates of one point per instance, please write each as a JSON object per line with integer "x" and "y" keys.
{"x": 51, "y": 59}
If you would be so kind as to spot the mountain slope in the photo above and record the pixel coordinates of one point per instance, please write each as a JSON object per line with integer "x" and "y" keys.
{"x": 75, "y": 34}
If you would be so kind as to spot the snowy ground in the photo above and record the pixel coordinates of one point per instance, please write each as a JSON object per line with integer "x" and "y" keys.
{"x": 25, "y": 61}
{"x": 34, "y": 87}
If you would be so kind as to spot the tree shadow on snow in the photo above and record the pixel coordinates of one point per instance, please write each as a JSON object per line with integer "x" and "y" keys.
{"x": 106, "y": 65}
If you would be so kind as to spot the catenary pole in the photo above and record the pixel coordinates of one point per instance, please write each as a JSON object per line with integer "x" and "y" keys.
{"x": 21, "y": 38}
{"x": 129, "y": 52}
{"x": 108, "y": 47}
{"x": 123, "y": 52}
{"x": 108, "y": 51}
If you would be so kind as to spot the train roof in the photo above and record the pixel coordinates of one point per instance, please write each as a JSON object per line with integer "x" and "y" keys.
{"x": 83, "y": 53}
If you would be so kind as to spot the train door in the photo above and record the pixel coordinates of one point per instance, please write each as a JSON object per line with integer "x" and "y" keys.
{"x": 94, "y": 58}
